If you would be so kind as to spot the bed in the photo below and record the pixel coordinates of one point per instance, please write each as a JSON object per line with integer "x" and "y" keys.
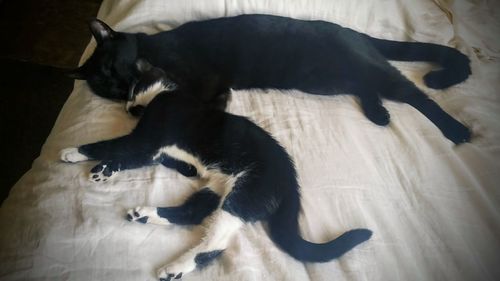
{"x": 434, "y": 207}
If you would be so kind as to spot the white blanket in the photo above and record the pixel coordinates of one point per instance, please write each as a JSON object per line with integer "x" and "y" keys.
{"x": 433, "y": 206}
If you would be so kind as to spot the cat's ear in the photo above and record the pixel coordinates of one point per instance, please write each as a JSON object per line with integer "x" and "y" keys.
{"x": 101, "y": 31}
{"x": 143, "y": 65}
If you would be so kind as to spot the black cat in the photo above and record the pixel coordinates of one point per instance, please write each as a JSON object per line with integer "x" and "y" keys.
{"x": 242, "y": 174}
{"x": 264, "y": 51}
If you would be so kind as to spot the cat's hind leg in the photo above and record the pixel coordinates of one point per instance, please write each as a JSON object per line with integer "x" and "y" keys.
{"x": 192, "y": 212}
{"x": 221, "y": 227}
{"x": 407, "y": 92}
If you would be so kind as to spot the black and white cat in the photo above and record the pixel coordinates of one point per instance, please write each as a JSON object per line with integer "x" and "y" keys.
{"x": 264, "y": 51}
{"x": 243, "y": 175}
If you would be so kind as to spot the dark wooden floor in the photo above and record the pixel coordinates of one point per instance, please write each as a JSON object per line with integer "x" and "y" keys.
{"x": 40, "y": 38}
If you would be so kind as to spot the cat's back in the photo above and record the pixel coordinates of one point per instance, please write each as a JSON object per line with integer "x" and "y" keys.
{"x": 255, "y": 24}
{"x": 249, "y": 142}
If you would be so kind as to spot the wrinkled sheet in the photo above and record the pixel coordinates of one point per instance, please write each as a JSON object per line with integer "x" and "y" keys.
{"x": 433, "y": 206}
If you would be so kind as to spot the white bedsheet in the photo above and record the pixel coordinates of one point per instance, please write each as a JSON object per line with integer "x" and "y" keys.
{"x": 433, "y": 206}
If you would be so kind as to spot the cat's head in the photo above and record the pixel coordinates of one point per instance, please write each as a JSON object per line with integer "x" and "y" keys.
{"x": 151, "y": 82}
{"x": 110, "y": 70}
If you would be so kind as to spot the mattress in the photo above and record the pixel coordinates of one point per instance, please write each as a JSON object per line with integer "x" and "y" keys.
{"x": 433, "y": 207}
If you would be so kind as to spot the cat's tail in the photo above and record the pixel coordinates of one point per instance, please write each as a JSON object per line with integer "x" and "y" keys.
{"x": 455, "y": 65}
{"x": 284, "y": 231}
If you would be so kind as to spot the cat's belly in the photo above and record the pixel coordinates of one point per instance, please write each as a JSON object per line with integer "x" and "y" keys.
{"x": 208, "y": 175}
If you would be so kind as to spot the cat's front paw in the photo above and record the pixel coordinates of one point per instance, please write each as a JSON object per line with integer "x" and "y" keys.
{"x": 146, "y": 215}
{"x": 103, "y": 172}
{"x": 72, "y": 155}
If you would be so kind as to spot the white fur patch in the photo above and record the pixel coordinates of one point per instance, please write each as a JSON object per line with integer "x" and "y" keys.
{"x": 210, "y": 176}
{"x": 220, "y": 229}
{"x": 71, "y": 155}
{"x": 145, "y": 97}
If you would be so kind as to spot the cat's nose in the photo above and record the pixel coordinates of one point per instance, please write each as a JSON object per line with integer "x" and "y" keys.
{"x": 136, "y": 110}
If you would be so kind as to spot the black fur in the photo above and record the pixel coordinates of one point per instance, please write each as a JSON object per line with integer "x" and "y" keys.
{"x": 204, "y": 259}
{"x": 267, "y": 191}
{"x": 197, "y": 207}
{"x": 264, "y": 51}
{"x": 192, "y": 212}
{"x": 117, "y": 159}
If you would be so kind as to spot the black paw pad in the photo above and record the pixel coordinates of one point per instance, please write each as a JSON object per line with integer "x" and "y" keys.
{"x": 179, "y": 276}
{"x": 169, "y": 277}
{"x": 143, "y": 220}
{"x": 129, "y": 217}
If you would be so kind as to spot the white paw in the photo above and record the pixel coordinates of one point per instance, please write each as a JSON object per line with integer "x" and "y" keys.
{"x": 146, "y": 215}
{"x": 101, "y": 173}
{"x": 71, "y": 155}
{"x": 176, "y": 270}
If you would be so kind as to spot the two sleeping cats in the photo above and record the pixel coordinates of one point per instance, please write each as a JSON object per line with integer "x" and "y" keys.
{"x": 242, "y": 173}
